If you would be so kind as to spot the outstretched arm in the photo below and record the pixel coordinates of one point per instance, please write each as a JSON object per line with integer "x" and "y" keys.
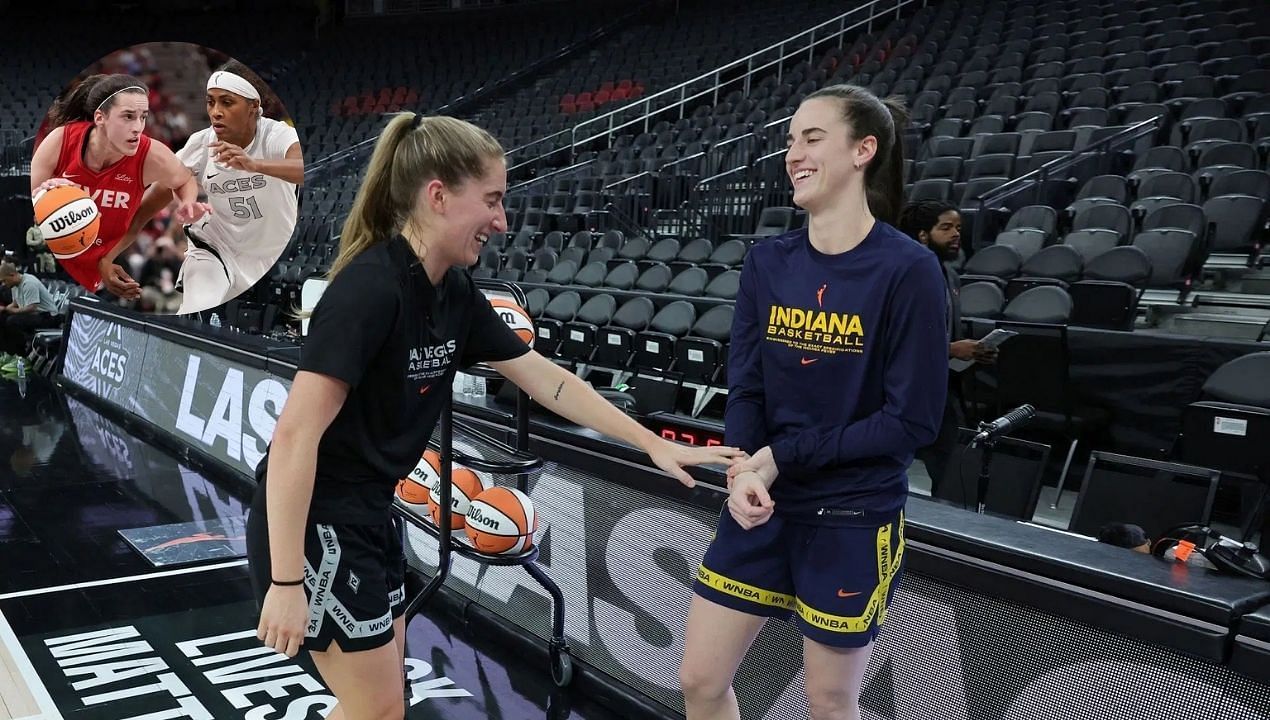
{"x": 163, "y": 168}
{"x": 116, "y": 279}
{"x": 565, "y": 394}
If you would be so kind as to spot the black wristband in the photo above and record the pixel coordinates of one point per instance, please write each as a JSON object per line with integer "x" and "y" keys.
{"x": 288, "y": 584}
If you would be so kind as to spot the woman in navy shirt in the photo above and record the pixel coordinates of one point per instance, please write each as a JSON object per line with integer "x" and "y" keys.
{"x": 837, "y": 374}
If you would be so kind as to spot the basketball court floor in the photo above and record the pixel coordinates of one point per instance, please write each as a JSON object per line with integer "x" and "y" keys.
{"x": 92, "y": 629}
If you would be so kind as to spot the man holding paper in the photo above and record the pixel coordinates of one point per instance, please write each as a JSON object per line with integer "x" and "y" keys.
{"x": 937, "y": 225}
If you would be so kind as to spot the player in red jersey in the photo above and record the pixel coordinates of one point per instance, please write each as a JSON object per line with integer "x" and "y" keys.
{"x": 97, "y": 143}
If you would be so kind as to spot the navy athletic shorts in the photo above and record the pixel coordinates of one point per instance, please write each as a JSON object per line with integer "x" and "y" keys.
{"x": 835, "y": 582}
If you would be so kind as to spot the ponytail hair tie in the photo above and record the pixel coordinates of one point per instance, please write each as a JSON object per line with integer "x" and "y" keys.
{"x": 418, "y": 121}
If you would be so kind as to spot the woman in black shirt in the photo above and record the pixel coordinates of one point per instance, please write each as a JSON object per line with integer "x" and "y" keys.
{"x": 397, "y": 320}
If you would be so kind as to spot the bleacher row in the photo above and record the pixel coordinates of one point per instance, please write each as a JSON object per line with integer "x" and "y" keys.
{"x": 642, "y": 335}
{"x": 386, "y": 100}
{"x": 1172, "y": 234}
{"x": 955, "y": 164}
{"x": 657, "y": 52}
{"x": 338, "y": 101}
{"x": 609, "y": 91}
{"x": 612, "y": 261}
{"x": 627, "y": 305}
{"x": 908, "y": 62}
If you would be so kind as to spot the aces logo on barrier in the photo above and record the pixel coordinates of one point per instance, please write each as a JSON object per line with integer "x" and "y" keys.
{"x": 103, "y": 357}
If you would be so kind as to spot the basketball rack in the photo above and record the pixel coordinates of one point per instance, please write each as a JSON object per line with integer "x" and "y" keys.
{"x": 520, "y": 464}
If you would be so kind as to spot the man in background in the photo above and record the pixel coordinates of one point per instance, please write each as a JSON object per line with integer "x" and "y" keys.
{"x": 33, "y": 308}
{"x": 937, "y": 225}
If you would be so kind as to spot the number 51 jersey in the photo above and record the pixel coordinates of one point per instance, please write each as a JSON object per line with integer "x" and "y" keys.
{"x": 253, "y": 214}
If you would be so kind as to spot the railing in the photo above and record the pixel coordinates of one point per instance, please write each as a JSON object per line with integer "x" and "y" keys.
{"x": 15, "y": 153}
{"x": 627, "y": 224}
{"x": 721, "y": 204}
{"x": 630, "y": 200}
{"x": 730, "y": 202}
{"x": 691, "y": 209}
{"x": 711, "y": 83}
{"x": 541, "y": 179}
{"x": 321, "y": 169}
{"x": 1096, "y": 157}
{"x": 774, "y": 131}
{"x": 659, "y": 201}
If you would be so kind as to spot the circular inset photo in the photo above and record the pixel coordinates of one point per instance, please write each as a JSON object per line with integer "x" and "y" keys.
{"x": 165, "y": 178}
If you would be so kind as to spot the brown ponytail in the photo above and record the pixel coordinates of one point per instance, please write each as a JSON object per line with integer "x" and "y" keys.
{"x": 884, "y": 181}
{"x": 93, "y": 92}
{"x": 885, "y": 120}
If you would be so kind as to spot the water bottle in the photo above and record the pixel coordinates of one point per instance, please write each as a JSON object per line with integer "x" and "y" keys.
{"x": 463, "y": 383}
{"x": 21, "y": 368}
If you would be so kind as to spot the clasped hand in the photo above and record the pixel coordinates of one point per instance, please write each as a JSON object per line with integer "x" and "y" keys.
{"x": 748, "y": 483}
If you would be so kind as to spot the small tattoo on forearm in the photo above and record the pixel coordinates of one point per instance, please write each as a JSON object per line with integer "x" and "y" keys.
{"x": 559, "y": 389}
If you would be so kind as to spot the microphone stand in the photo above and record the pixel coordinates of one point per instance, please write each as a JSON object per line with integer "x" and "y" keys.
{"x": 985, "y": 466}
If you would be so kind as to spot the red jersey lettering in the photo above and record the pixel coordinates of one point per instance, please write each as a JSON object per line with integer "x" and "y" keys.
{"x": 116, "y": 188}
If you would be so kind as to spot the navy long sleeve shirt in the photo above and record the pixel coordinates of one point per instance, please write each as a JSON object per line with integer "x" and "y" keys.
{"x": 840, "y": 364}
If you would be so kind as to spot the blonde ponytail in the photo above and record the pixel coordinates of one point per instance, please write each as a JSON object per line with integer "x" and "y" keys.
{"x": 373, "y": 217}
{"x": 411, "y": 151}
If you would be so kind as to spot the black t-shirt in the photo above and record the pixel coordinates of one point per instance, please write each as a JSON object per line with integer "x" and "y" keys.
{"x": 383, "y": 328}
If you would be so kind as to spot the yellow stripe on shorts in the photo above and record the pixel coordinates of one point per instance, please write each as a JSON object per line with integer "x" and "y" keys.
{"x": 888, "y": 567}
{"x": 891, "y": 568}
{"x": 758, "y": 595}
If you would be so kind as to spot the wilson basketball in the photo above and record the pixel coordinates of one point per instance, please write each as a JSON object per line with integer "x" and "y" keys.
{"x": 464, "y": 485}
{"x": 412, "y": 493}
{"x": 516, "y": 317}
{"x": 427, "y": 473}
{"x": 68, "y": 219}
{"x": 501, "y": 520}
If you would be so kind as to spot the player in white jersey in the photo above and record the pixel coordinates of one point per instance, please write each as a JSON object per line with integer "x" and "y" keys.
{"x": 249, "y": 167}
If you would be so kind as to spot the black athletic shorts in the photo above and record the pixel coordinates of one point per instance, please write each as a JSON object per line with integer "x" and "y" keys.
{"x": 354, "y": 577}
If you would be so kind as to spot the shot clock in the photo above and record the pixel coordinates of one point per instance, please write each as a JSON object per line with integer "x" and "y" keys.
{"x": 687, "y": 430}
